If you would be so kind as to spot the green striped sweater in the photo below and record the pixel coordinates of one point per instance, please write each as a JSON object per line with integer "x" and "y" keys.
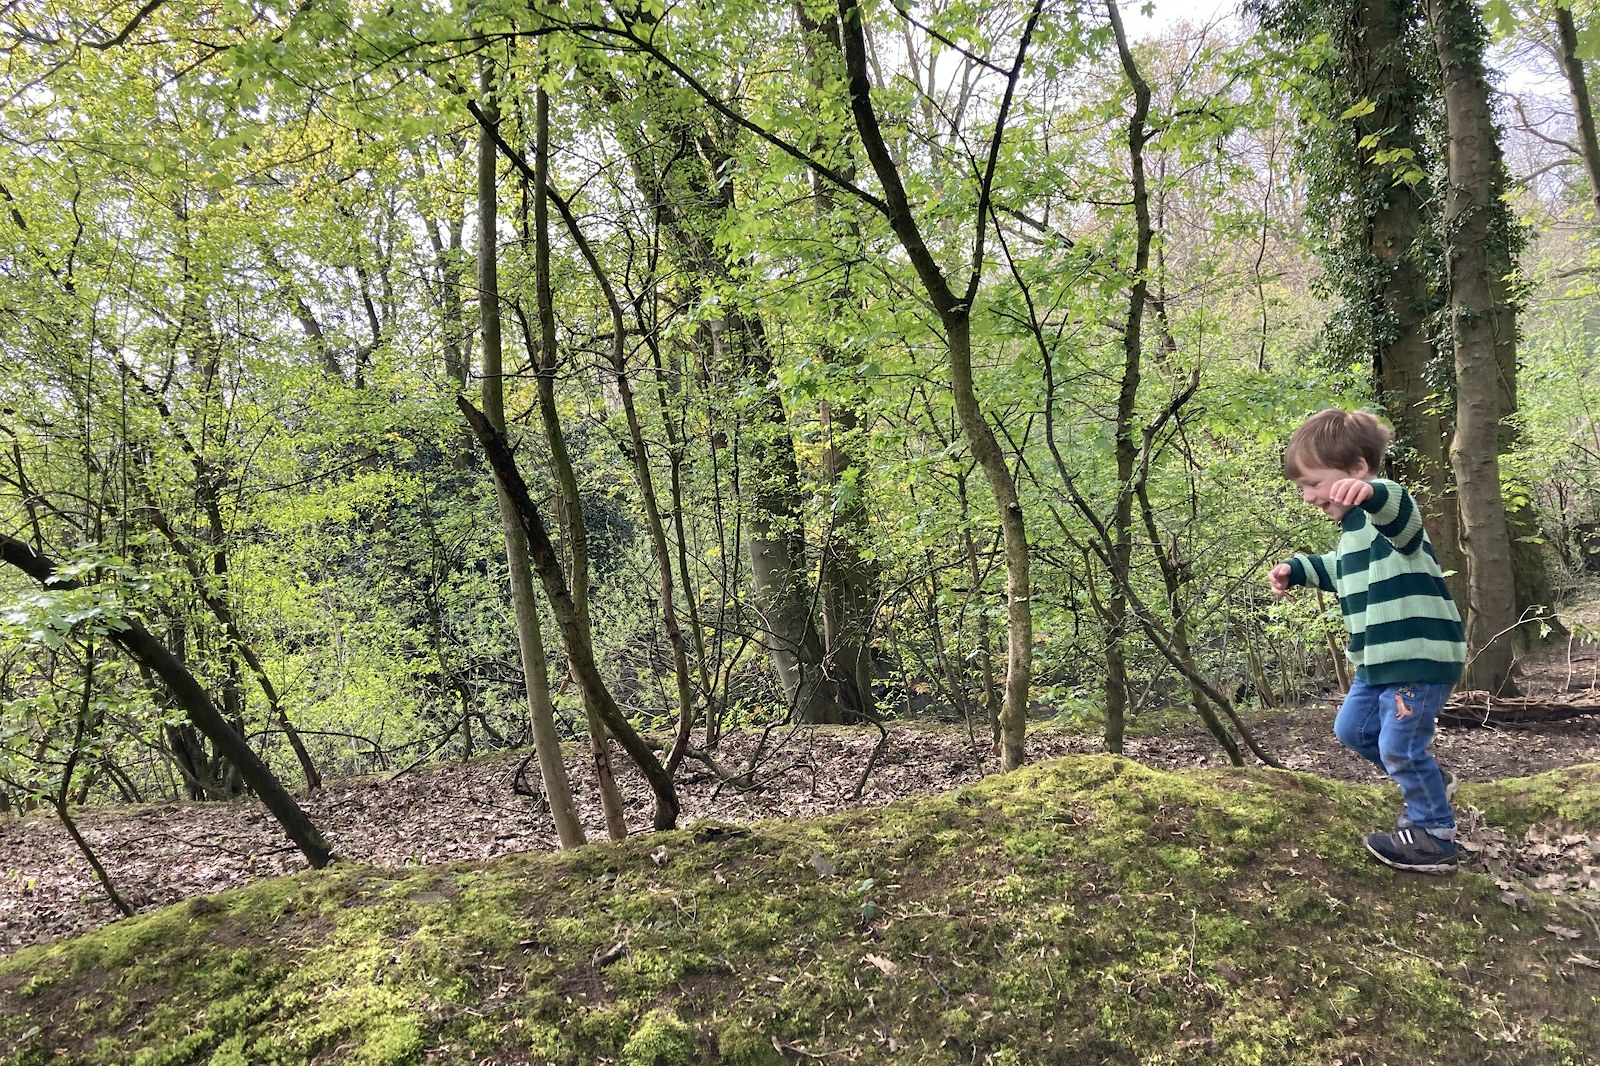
{"x": 1403, "y": 624}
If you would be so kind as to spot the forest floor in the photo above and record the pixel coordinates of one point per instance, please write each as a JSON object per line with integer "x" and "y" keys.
{"x": 162, "y": 852}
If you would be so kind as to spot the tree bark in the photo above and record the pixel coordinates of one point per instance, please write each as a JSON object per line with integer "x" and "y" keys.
{"x": 955, "y": 317}
{"x": 1582, "y": 103}
{"x": 682, "y": 168}
{"x": 848, "y": 581}
{"x": 1127, "y": 451}
{"x": 542, "y": 355}
{"x": 1478, "y": 325}
{"x": 1402, "y": 300}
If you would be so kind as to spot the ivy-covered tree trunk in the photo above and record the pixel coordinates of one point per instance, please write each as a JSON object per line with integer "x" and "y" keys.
{"x": 1389, "y": 162}
{"x": 1479, "y": 325}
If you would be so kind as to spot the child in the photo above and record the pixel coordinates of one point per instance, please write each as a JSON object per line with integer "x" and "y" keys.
{"x": 1405, "y": 634}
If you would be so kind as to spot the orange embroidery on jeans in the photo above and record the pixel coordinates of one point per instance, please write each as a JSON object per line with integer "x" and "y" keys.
{"x": 1402, "y": 712}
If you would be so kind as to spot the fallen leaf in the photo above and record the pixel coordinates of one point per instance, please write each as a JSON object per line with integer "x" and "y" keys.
{"x": 887, "y": 966}
{"x": 1517, "y": 901}
{"x": 1564, "y": 932}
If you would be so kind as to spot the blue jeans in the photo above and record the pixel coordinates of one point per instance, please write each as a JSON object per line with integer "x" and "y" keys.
{"x": 1391, "y": 726}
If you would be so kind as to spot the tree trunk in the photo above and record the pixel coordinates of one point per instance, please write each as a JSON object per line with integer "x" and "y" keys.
{"x": 574, "y": 627}
{"x": 647, "y": 492}
{"x": 1127, "y": 451}
{"x": 848, "y": 581}
{"x": 954, "y": 316}
{"x": 535, "y": 670}
{"x": 192, "y": 697}
{"x": 542, "y": 356}
{"x": 1402, "y": 301}
{"x": 1582, "y": 104}
{"x": 1478, "y": 324}
{"x": 681, "y": 168}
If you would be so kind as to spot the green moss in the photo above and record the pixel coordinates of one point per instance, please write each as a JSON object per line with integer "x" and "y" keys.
{"x": 36, "y": 984}
{"x": 741, "y": 1043}
{"x": 1088, "y": 909}
{"x": 1568, "y": 797}
{"x": 660, "y": 1040}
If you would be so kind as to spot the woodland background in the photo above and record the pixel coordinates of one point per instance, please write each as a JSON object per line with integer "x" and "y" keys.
{"x": 857, "y": 362}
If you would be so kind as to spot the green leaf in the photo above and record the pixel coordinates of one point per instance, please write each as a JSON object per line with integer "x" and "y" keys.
{"x": 1360, "y": 108}
{"x": 1500, "y": 14}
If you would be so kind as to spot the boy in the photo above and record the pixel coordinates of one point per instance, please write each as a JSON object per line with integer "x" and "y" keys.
{"x": 1405, "y": 633}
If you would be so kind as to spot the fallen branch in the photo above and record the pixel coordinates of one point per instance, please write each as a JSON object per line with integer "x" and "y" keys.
{"x": 1476, "y": 708}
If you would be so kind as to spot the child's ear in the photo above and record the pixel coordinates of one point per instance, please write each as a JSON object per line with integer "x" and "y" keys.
{"x": 1361, "y": 471}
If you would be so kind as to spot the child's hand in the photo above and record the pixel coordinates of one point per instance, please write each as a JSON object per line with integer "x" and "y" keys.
{"x": 1279, "y": 579}
{"x": 1349, "y": 491}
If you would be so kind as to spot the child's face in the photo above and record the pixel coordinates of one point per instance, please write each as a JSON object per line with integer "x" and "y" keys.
{"x": 1316, "y": 481}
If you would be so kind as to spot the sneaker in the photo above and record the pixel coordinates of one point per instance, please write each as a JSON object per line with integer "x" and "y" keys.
{"x": 1415, "y": 850}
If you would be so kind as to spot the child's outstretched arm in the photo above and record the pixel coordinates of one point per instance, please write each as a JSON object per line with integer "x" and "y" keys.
{"x": 1316, "y": 570}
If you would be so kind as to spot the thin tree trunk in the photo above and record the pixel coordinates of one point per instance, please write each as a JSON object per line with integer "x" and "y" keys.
{"x": 1128, "y": 395}
{"x": 985, "y": 649}
{"x": 223, "y": 613}
{"x": 543, "y": 357}
{"x": 954, "y": 316}
{"x": 192, "y": 697}
{"x": 1582, "y": 103}
{"x": 535, "y": 669}
{"x": 59, "y": 798}
{"x": 646, "y": 482}
{"x": 574, "y": 628}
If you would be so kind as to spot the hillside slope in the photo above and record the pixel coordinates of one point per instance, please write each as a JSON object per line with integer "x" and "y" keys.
{"x": 1078, "y": 911}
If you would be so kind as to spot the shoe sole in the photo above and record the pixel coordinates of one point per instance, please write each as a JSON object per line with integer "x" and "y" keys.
{"x": 1438, "y": 869}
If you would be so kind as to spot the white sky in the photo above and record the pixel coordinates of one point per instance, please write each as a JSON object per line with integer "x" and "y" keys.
{"x": 1166, "y": 12}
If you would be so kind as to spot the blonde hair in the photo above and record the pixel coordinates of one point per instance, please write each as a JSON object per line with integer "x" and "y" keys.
{"x": 1336, "y": 439}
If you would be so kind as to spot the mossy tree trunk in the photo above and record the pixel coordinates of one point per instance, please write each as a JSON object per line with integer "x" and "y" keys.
{"x": 1401, "y": 299}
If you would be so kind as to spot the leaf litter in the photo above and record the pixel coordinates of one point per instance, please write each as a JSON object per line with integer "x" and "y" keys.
{"x": 160, "y": 853}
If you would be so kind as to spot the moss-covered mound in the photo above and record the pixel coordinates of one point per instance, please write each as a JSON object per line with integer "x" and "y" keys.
{"x": 1082, "y": 911}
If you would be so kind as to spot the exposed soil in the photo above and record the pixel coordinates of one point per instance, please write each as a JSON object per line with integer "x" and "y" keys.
{"x": 160, "y": 853}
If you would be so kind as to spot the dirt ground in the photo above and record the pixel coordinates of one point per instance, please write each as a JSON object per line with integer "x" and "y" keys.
{"x": 159, "y": 853}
